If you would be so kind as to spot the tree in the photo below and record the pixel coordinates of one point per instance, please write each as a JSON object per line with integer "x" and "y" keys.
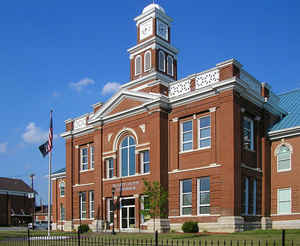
{"x": 157, "y": 198}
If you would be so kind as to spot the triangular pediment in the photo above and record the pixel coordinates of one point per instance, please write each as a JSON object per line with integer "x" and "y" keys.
{"x": 123, "y": 101}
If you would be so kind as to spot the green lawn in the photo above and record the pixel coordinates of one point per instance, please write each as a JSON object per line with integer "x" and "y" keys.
{"x": 205, "y": 239}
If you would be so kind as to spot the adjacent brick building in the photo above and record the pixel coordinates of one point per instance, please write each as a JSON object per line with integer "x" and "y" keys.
{"x": 16, "y": 202}
{"x": 206, "y": 138}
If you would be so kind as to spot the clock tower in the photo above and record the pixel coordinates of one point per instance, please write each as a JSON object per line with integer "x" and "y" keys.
{"x": 153, "y": 58}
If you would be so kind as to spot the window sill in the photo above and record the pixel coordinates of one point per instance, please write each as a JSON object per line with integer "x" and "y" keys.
{"x": 194, "y": 150}
{"x": 127, "y": 177}
{"x": 88, "y": 170}
{"x": 283, "y": 171}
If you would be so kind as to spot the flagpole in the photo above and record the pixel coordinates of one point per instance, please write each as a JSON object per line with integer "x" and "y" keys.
{"x": 49, "y": 193}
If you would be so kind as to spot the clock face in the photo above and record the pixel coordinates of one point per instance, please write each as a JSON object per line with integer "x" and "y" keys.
{"x": 146, "y": 29}
{"x": 162, "y": 29}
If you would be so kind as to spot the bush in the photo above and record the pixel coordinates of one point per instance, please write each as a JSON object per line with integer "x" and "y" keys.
{"x": 83, "y": 228}
{"x": 190, "y": 227}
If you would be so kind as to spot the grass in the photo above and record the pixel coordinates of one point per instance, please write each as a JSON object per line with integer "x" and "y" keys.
{"x": 184, "y": 239}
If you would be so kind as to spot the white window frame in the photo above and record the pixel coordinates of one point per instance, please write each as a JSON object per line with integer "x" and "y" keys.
{"x": 254, "y": 195}
{"x": 182, "y": 133}
{"x": 172, "y": 65}
{"x": 199, "y": 136}
{"x": 290, "y": 158}
{"x": 162, "y": 69}
{"x": 128, "y": 160}
{"x": 62, "y": 212}
{"x": 278, "y": 201}
{"x": 145, "y": 61}
{"x": 142, "y": 208}
{"x": 109, "y": 209}
{"x": 181, "y": 199}
{"x": 136, "y": 65}
{"x": 246, "y": 211}
{"x": 251, "y": 140}
{"x": 92, "y": 157}
{"x": 198, "y": 197}
{"x": 108, "y": 168}
{"x": 62, "y": 185}
{"x": 92, "y": 204}
{"x": 84, "y": 165}
{"x": 83, "y": 212}
{"x": 142, "y": 167}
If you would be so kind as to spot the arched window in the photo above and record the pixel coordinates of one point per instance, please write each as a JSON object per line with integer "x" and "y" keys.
{"x": 62, "y": 189}
{"x": 147, "y": 61}
{"x": 161, "y": 61}
{"x": 283, "y": 158}
{"x": 170, "y": 65}
{"x": 127, "y": 158}
{"x": 138, "y": 65}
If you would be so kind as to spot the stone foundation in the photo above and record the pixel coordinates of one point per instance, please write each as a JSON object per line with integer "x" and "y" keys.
{"x": 286, "y": 224}
{"x": 68, "y": 226}
{"x": 97, "y": 226}
{"x": 266, "y": 223}
{"x": 161, "y": 225}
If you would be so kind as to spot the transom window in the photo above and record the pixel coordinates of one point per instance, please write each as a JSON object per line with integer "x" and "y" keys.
{"x": 138, "y": 65}
{"x": 170, "y": 65}
{"x": 204, "y": 132}
{"x": 161, "y": 61}
{"x": 147, "y": 61}
{"x": 284, "y": 201}
{"x": 127, "y": 150}
{"x": 187, "y": 135}
{"x": 186, "y": 197}
{"x": 109, "y": 168}
{"x": 145, "y": 162}
{"x": 284, "y": 159}
{"x": 203, "y": 196}
{"x": 248, "y": 133}
{"x": 62, "y": 189}
{"x": 84, "y": 159}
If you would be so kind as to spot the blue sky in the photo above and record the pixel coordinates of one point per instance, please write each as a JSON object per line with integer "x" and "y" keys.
{"x": 61, "y": 54}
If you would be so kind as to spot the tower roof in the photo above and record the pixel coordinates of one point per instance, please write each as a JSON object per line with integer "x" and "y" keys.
{"x": 153, "y": 6}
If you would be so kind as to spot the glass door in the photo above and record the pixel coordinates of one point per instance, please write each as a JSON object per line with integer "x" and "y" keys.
{"x": 128, "y": 213}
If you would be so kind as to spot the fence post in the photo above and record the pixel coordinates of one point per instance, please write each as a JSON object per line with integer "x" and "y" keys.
{"x": 283, "y": 238}
{"x": 78, "y": 236}
{"x": 28, "y": 237}
{"x": 156, "y": 238}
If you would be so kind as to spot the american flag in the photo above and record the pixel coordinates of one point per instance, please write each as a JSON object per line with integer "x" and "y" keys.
{"x": 50, "y": 136}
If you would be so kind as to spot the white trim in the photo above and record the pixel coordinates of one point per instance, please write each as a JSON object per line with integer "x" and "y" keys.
{"x": 14, "y": 193}
{"x": 199, "y": 130}
{"x": 198, "y": 196}
{"x": 291, "y": 214}
{"x": 172, "y": 65}
{"x": 161, "y": 54}
{"x": 193, "y": 150}
{"x": 181, "y": 197}
{"x": 251, "y": 168}
{"x": 128, "y": 156}
{"x": 287, "y": 145}
{"x": 213, "y": 165}
{"x": 82, "y": 164}
{"x": 107, "y": 168}
{"x": 287, "y": 132}
{"x": 127, "y": 177}
{"x": 109, "y": 152}
{"x": 90, "y": 204}
{"x": 189, "y": 216}
{"x": 64, "y": 185}
{"x": 135, "y": 65}
{"x": 245, "y": 118}
{"x": 119, "y": 135}
{"x": 80, "y": 185}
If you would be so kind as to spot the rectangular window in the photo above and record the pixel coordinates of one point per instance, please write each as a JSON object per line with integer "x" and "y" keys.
{"x": 92, "y": 208}
{"x": 145, "y": 205}
{"x": 284, "y": 201}
{"x": 84, "y": 159}
{"x": 92, "y": 157}
{"x": 145, "y": 162}
{"x": 110, "y": 214}
{"x": 186, "y": 197}
{"x": 62, "y": 189}
{"x": 82, "y": 205}
{"x": 187, "y": 135}
{"x": 110, "y": 168}
{"x": 204, "y": 132}
{"x": 204, "y": 196}
{"x": 254, "y": 196}
{"x": 62, "y": 212}
{"x": 246, "y": 194}
{"x": 248, "y": 133}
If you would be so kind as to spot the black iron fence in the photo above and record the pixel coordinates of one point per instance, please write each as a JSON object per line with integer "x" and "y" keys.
{"x": 77, "y": 239}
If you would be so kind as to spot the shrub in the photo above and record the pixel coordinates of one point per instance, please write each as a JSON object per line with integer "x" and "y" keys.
{"x": 83, "y": 228}
{"x": 190, "y": 227}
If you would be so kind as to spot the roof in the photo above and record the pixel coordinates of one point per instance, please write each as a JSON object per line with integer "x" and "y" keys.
{"x": 290, "y": 102}
{"x": 10, "y": 184}
{"x": 62, "y": 170}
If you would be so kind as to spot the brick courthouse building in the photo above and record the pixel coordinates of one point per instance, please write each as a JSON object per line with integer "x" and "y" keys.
{"x": 219, "y": 141}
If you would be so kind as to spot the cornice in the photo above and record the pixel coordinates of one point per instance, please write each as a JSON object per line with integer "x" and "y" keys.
{"x": 284, "y": 133}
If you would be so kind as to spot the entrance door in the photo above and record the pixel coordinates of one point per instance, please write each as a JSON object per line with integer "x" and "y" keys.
{"x": 127, "y": 213}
